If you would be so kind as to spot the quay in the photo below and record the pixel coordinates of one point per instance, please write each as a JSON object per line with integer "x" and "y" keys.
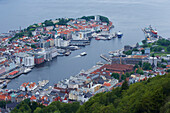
{"x": 105, "y": 57}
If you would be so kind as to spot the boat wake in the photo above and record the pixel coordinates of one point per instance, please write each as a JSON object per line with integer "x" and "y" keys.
{"x": 77, "y": 56}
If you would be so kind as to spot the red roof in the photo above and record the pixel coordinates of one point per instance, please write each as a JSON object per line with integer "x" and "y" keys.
{"x": 106, "y": 84}
{"x": 33, "y": 98}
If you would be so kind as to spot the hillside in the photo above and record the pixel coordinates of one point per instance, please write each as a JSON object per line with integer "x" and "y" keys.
{"x": 151, "y": 96}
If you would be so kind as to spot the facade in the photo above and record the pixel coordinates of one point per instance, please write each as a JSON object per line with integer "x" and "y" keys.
{"x": 29, "y": 61}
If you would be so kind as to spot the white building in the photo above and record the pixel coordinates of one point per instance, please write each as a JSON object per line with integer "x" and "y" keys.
{"x": 153, "y": 60}
{"x": 29, "y": 61}
{"x": 61, "y": 43}
{"x": 97, "y": 18}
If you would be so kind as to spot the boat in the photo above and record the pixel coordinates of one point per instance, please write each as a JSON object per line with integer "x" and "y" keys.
{"x": 3, "y": 85}
{"x": 97, "y": 38}
{"x": 119, "y": 34}
{"x": 43, "y": 83}
{"x": 74, "y": 48}
{"x": 83, "y": 54}
{"x": 27, "y": 70}
{"x": 67, "y": 53}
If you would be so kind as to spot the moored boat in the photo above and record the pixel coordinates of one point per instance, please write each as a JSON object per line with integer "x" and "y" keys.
{"x": 83, "y": 54}
{"x": 27, "y": 70}
{"x": 119, "y": 34}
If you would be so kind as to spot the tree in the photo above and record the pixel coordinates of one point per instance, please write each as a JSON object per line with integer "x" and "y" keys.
{"x": 136, "y": 66}
{"x": 115, "y": 75}
{"x": 143, "y": 51}
{"x": 33, "y": 46}
{"x": 140, "y": 63}
{"x": 144, "y": 41}
{"x": 129, "y": 52}
{"x": 139, "y": 71}
{"x": 168, "y": 48}
{"x": 37, "y": 110}
{"x": 127, "y": 74}
{"x": 2, "y": 104}
{"x": 125, "y": 85}
{"x": 123, "y": 77}
{"x": 147, "y": 66}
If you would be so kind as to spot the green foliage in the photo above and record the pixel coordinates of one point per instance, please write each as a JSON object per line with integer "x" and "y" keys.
{"x": 156, "y": 49}
{"x": 33, "y": 46}
{"x": 63, "y": 21}
{"x": 139, "y": 71}
{"x": 37, "y": 110}
{"x": 127, "y": 74}
{"x": 129, "y": 52}
{"x": 168, "y": 70}
{"x": 168, "y": 48}
{"x": 104, "y": 19}
{"x": 147, "y": 66}
{"x": 136, "y": 66}
{"x": 140, "y": 63}
{"x": 115, "y": 75}
{"x": 143, "y": 51}
{"x": 161, "y": 65}
{"x": 48, "y": 23}
{"x": 87, "y": 18}
{"x": 143, "y": 97}
{"x": 163, "y": 42}
{"x": 135, "y": 49}
{"x": 2, "y": 104}
{"x": 123, "y": 77}
{"x": 144, "y": 41}
{"x": 125, "y": 85}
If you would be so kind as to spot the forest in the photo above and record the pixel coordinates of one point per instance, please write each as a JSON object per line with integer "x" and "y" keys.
{"x": 150, "y": 96}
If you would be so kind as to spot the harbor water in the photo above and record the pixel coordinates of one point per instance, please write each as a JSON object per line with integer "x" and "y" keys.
{"x": 128, "y": 16}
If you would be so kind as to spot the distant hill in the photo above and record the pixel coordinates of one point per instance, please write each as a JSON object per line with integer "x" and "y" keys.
{"x": 151, "y": 96}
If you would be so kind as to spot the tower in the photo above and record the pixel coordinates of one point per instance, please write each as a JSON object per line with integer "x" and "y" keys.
{"x": 97, "y": 18}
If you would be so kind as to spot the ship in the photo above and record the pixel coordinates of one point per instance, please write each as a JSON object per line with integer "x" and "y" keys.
{"x": 27, "y": 70}
{"x": 150, "y": 33}
{"x": 119, "y": 34}
{"x": 83, "y": 54}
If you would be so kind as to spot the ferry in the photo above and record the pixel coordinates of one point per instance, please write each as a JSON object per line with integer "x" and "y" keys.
{"x": 119, "y": 34}
{"x": 27, "y": 70}
{"x": 83, "y": 54}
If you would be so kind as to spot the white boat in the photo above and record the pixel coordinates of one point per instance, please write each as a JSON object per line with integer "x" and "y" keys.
{"x": 119, "y": 34}
{"x": 43, "y": 83}
{"x": 83, "y": 54}
{"x": 27, "y": 70}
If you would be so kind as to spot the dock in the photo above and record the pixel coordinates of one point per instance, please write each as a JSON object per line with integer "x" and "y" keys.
{"x": 105, "y": 57}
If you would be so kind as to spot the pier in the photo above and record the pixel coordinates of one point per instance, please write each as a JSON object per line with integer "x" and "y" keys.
{"x": 105, "y": 57}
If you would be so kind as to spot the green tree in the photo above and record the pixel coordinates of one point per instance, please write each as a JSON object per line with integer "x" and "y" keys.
{"x": 129, "y": 52}
{"x": 37, "y": 110}
{"x": 2, "y": 104}
{"x": 123, "y": 77}
{"x": 125, "y": 85}
{"x": 147, "y": 66}
{"x": 140, "y": 63}
{"x": 168, "y": 48}
{"x": 115, "y": 75}
{"x": 139, "y": 71}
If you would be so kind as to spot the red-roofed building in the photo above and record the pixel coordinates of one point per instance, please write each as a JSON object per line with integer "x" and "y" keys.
{"x": 33, "y": 98}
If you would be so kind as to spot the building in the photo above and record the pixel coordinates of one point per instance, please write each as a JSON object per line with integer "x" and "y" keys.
{"x": 153, "y": 61}
{"x": 127, "y": 48}
{"x": 97, "y": 18}
{"x": 147, "y": 51}
{"x": 39, "y": 59}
